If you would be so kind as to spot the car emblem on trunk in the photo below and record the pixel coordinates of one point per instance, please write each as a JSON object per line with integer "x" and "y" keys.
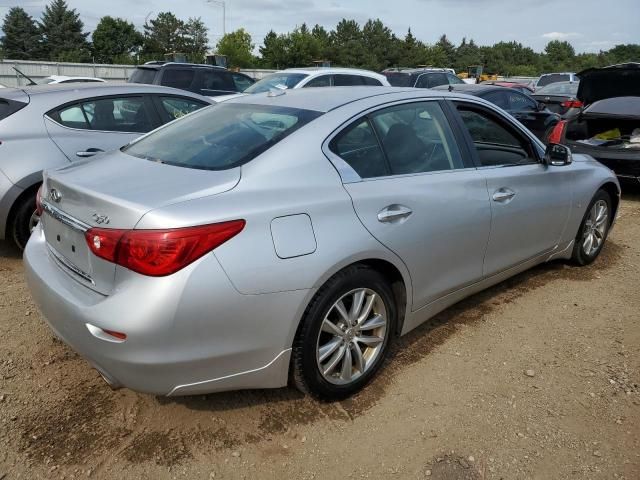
{"x": 101, "y": 219}
{"x": 55, "y": 195}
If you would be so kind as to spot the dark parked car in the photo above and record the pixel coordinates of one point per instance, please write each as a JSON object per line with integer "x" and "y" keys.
{"x": 560, "y": 98}
{"x": 533, "y": 115}
{"x": 206, "y": 80}
{"x": 608, "y": 125}
{"x": 421, "y": 77}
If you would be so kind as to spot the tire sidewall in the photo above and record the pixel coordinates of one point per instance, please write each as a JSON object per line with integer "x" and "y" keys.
{"x": 580, "y": 256}
{"x": 359, "y": 278}
{"x": 20, "y": 224}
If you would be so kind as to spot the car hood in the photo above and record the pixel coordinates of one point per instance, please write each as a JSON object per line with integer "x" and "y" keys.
{"x": 609, "y": 82}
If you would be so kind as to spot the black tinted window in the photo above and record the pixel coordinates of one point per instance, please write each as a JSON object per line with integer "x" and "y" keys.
{"x": 340, "y": 80}
{"x": 321, "y": 81}
{"x": 221, "y": 137}
{"x": 178, "y": 78}
{"x": 399, "y": 79}
{"x": 498, "y": 97}
{"x": 553, "y": 78}
{"x": 212, "y": 81}
{"x": 496, "y": 144}
{"x": 371, "y": 82}
{"x": 519, "y": 102}
{"x": 359, "y": 147}
{"x": 242, "y": 82}
{"x": 9, "y": 107}
{"x": 143, "y": 75}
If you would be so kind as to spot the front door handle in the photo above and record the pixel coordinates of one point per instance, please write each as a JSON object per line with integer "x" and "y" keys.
{"x": 394, "y": 213}
{"x": 89, "y": 152}
{"x": 503, "y": 195}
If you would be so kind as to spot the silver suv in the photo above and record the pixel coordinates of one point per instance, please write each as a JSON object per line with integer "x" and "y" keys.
{"x": 49, "y": 126}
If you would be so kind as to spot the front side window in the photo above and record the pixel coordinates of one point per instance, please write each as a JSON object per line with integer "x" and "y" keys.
{"x": 211, "y": 81}
{"x": 177, "y": 107}
{"x": 126, "y": 114}
{"x": 280, "y": 81}
{"x": 224, "y": 136}
{"x": 453, "y": 80}
{"x": 400, "y": 140}
{"x": 496, "y": 143}
{"x": 321, "y": 81}
{"x": 242, "y": 82}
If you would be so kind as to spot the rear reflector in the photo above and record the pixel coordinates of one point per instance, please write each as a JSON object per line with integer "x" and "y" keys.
{"x": 557, "y": 133}
{"x": 572, "y": 104}
{"x": 118, "y": 335}
{"x": 158, "y": 253}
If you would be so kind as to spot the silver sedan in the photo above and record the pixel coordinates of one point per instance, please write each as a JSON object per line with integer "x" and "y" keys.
{"x": 291, "y": 236}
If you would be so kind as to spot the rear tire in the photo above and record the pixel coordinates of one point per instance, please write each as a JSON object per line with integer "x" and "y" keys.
{"x": 21, "y": 223}
{"x": 593, "y": 230}
{"x": 344, "y": 335}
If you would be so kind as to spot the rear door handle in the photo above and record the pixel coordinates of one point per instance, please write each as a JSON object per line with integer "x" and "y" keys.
{"x": 503, "y": 195}
{"x": 89, "y": 152}
{"x": 394, "y": 213}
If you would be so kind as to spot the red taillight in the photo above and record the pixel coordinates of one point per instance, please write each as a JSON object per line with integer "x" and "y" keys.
{"x": 158, "y": 253}
{"x": 39, "y": 209}
{"x": 557, "y": 133}
{"x": 572, "y": 104}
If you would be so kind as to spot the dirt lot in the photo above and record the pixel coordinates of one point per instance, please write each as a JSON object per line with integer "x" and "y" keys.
{"x": 537, "y": 378}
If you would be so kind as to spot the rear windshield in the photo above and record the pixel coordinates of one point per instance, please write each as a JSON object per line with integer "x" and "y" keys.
{"x": 9, "y": 107}
{"x": 222, "y": 136}
{"x": 143, "y": 75}
{"x": 560, "y": 88}
{"x": 397, "y": 79}
{"x": 276, "y": 80}
{"x": 553, "y": 78}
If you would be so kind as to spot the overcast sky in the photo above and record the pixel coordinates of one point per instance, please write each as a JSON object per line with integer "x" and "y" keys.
{"x": 590, "y": 25}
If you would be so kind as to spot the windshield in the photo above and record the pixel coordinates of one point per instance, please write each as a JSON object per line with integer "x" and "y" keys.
{"x": 222, "y": 136}
{"x": 143, "y": 75}
{"x": 398, "y": 79}
{"x": 280, "y": 80}
{"x": 561, "y": 88}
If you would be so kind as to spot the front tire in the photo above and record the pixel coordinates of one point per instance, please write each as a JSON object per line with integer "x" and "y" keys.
{"x": 23, "y": 221}
{"x": 345, "y": 334}
{"x": 593, "y": 229}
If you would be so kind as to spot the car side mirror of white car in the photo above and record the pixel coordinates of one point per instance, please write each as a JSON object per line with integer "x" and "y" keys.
{"x": 557, "y": 155}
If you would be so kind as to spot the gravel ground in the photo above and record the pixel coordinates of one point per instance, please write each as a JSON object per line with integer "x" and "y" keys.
{"x": 536, "y": 378}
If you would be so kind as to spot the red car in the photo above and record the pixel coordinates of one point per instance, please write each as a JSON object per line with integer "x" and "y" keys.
{"x": 521, "y": 87}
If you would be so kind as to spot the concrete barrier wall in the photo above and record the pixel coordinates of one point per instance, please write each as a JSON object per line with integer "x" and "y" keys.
{"x": 111, "y": 73}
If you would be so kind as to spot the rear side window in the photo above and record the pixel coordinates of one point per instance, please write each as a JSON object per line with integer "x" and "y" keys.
{"x": 347, "y": 80}
{"x": 212, "y": 81}
{"x": 178, "y": 78}
{"x": 126, "y": 114}
{"x": 9, "y": 107}
{"x": 371, "y": 82}
{"x": 359, "y": 147}
{"x": 143, "y": 75}
{"x": 224, "y": 136}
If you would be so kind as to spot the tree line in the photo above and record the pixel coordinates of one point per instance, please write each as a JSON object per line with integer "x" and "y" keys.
{"x": 59, "y": 36}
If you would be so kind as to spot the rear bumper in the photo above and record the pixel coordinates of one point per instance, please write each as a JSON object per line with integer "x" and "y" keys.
{"x": 189, "y": 333}
{"x": 625, "y": 164}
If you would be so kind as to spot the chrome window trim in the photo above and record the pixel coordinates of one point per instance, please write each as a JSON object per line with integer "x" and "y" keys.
{"x": 62, "y": 217}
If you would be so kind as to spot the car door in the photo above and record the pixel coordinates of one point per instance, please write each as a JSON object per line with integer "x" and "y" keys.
{"x": 418, "y": 195}
{"x": 85, "y": 128}
{"x": 530, "y": 201}
{"x": 526, "y": 110}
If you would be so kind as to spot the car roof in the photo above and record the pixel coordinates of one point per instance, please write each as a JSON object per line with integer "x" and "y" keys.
{"x": 61, "y": 93}
{"x": 418, "y": 70}
{"x": 321, "y": 70}
{"x": 159, "y": 65}
{"x": 470, "y": 88}
{"x": 66, "y": 77}
{"x": 326, "y": 99}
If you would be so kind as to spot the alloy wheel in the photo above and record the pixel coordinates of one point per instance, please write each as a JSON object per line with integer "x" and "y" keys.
{"x": 595, "y": 228}
{"x": 352, "y": 336}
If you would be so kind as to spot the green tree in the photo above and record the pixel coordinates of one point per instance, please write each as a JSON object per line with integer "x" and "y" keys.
{"x": 195, "y": 39}
{"x": 273, "y": 51}
{"x": 302, "y": 48}
{"x": 448, "y": 50}
{"x": 63, "y": 38}
{"x": 347, "y": 45}
{"x": 560, "y": 55}
{"x": 115, "y": 40}
{"x": 21, "y": 40}
{"x": 380, "y": 45}
{"x": 163, "y": 34}
{"x": 238, "y": 47}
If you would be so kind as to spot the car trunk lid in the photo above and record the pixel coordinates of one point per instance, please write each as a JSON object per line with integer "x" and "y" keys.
{"x": 114, "y": 191}
{"x": 609, "y": 82}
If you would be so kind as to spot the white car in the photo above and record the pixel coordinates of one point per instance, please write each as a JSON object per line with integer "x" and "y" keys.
{"x": 294, "y": 78}
{"x": 57, "y": 79}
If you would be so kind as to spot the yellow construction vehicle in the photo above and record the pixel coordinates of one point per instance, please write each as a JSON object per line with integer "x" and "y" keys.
{"x": 475, "y": 74}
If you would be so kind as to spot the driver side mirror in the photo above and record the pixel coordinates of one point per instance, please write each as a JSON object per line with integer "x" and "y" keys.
{"x": 557, "y": 155}
{"x": 541, "y": 106}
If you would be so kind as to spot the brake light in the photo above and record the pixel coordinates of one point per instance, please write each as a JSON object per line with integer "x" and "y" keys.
{"x": 158, "y": 253}
{"x": 39, "y": 209}
{"x": 572, "y": 104}
{"x": 557, "y": 133}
